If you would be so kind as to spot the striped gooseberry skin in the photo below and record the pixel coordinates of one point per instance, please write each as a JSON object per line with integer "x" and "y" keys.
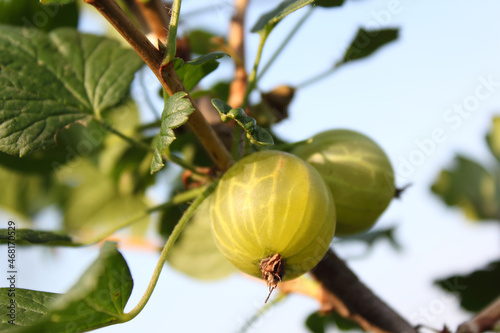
{"x": 357, "y": 171}
{"x": 270, "y": 203}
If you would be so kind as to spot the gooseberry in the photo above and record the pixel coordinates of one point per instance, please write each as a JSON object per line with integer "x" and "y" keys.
{"x": 272, "y": 216}
{"x": 358, "y": 173}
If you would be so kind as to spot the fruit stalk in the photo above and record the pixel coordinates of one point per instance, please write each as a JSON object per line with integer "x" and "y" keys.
{"x": 273, "y": 270}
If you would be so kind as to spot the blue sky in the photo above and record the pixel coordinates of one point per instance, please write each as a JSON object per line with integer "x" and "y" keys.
{"x": 406, "y": 98}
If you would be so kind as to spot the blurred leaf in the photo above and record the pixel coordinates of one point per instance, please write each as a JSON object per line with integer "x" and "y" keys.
{"x": 270, "y": 19}
{"x": 175, "y": 113}
{"x": 191, "y": 72}
{"x": 367, "y": 42}
{"x": 475, "y": 290}
{"x": 36, "y": 237}
{"x": 221, "y": 90}
{"x": 126, "y": 164}
{"x": 318, "y": 323}
{"x": 471, "y": 187}
{"x": 202, "y": 41}
{"x": 50, "y": 81}
{"x": 493, "y": 138}
{"x": 96, "y": 300}
{"x": 56, "y": 1}
{"x": 31, "y": 307}
{"x": 169, "y": 218}
{"x": 95, "y": 207}
{"x": 370, "y": 238}
{"x": 256, "y": 134}
{"x": 274, "y": 106}
{"x": 329, "y": 3}
{"x": 33, "y": 14}
{"x": 195, "y": 252}
{"x": 26, "y": 195}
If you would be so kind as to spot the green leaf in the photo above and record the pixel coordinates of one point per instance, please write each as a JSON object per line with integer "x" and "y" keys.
{"x": 175, "y": 113}
{"x": 367, "y": 42}
{"x": 318, "y": 323}
{"x": 475, "y": 290}
{"x": 96, "y": 300}
{"x": 61, "y": 2}
{"x": 493, "y": 138}
{"x": 49, "y": 81}
{"x": 36, "y": 237}
{"x": 471, "y": 187}
{"x": 195, "y": 252}
{"x": 270, "y": 19}
{"x": 370, "y": 238}
{"x": 329, "y": 3}
{"x": 31, "y": 306}
{"x": 193, "y": 71}
{"x": 256, "y": 134}
{"x": 33, "y": 14}
{"x": 77, "y": 140}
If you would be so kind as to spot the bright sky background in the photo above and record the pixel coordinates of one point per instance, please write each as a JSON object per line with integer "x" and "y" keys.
{"x": 398, "y": 97}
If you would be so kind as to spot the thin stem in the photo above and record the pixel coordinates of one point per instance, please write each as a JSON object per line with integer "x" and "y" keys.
{"x": 235, "y": 146}
{"x": 179, "y": 198}
{"x": 253, "y": 75}
{"x": 169, "y": 157}
{"x": 285, "y": 42}
{"x": 130, "y": 140}
{"x": 172, "y": 33}
{"x": 316, "y": 78}
{"x": 163, "y": 256}
{"x": 260, "y": 312}
{"x": 182, "y": 163}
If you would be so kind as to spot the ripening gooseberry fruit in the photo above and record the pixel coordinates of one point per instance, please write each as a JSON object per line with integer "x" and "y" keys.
{"x": 358, "y": 173}
{"x": 273, "y": 216}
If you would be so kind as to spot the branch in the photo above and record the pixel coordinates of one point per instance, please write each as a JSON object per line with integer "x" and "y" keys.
{"x": 483, "y": 321}
{"x": 348, "y": 296}
{"x": 167, "y": 77}
{"x": 156, "y": 16}
{"x": 236, "y": 44}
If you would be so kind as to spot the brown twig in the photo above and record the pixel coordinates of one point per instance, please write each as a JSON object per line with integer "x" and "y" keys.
{"x": 484, "y": 320}
{"x": 157, "y": 17}
{"x": 137, "y": 14}
{"x": 237, "y": 46}
{"x": 167, "y": 77}
{"x": 348, "y": 296}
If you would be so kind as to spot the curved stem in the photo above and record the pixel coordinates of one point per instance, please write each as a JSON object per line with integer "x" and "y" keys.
{"x": 163, "y": 256}
{"x": 285, "y": 43}
{"x": 253, "y": 75}
{"x": 183, "y": 164}
{"x": 130, "y": 140}
{"x": 172, "y": 33}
